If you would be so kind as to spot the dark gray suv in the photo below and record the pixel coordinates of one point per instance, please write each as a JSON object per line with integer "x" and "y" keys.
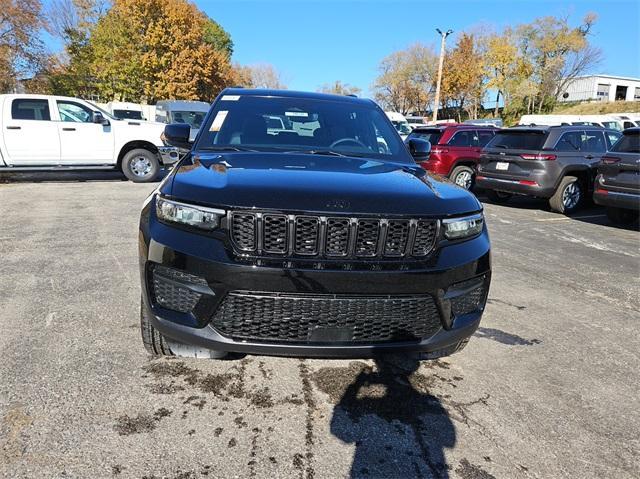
{"x": 554, "y": 162}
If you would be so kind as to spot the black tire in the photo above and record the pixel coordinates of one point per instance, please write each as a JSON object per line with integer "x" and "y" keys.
{"x": 140, "y": 165}
{"x": 463, "y": 176}
{"x": 498, "y": 196}
{"x": 568, "y": 196}
{"x": 621, "y": 216}
{"x": 154, "y": 342}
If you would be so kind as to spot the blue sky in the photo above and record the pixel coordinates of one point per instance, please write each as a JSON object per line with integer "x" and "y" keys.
{"x": 319, "y": 42}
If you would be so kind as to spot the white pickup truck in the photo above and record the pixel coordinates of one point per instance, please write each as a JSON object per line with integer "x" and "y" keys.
{"x": 40, "y": 132}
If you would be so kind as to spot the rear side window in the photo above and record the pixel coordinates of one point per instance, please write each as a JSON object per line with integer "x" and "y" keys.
{"x": 612, "y": 138}
{"x": 484, "y": 137}
{"x": 593, "y": 141}
{"x": 432, "y": 136}
{"x": 30, "y": 109}
{"x": 463, "y": 138}
{"x": 519, "y": 140}
{"x": 629, "y": 143}
{"x": 570, "y": 141}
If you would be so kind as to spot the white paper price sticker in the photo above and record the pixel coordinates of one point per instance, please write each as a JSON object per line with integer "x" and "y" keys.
{"x": 219, "y": 120}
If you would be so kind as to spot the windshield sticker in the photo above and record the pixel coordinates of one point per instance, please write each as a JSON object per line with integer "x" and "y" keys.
{"x": 296, "y": 113}
{"x": 219, "y": 120}
{"x": 230, "y": 97}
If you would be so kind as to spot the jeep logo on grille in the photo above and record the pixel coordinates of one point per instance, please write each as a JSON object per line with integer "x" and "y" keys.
{"x": 338, "y": 204}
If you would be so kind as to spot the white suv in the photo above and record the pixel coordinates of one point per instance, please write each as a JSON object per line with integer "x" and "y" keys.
{"x": 51, "y": 132}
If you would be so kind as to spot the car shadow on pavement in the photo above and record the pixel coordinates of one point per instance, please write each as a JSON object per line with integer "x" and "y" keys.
{"x": 76, "y": 176}
{"x": 398, "y": 428}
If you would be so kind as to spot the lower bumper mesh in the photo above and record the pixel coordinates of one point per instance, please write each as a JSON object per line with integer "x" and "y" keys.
{"x": 326, "y": 318}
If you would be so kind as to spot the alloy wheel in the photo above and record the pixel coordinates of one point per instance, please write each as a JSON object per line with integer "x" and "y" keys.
{"x": 571, "y": 195}
{"x": 464, "y": 179}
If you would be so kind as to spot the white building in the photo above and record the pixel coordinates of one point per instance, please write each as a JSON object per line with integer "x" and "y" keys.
{"x": 602, "y": 88}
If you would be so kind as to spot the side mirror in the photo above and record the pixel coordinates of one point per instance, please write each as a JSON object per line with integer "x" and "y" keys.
{"x": 177, "y": 134}
{"x": 420, "y": 149}
{"x": 100, "y": 119}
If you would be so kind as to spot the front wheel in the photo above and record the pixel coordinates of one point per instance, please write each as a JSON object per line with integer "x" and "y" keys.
{"x": 140, "y": 165}
{"x": 154, "y": 342}
{"x": 463, "y": 176}
{"x": 568, "y": 197}
{"x": 621, "y": 216}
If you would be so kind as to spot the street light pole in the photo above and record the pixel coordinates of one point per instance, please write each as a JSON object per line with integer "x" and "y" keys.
{"x": 436, "y": 102}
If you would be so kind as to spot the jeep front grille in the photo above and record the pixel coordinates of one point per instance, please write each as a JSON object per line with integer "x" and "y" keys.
{"x": 276, "y": 234}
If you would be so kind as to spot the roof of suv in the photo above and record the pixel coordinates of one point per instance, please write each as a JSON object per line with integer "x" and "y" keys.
{"x": 295, "y": 94}
{"x": 546, "y": 128}
{"x": 457, "y": 126}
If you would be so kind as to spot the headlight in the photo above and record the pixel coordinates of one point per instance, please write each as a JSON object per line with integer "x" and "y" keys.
{"x": 190, "y": 215}
{"x": 458, "y": 228}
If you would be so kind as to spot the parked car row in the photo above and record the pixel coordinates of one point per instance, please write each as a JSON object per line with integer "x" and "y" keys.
{"x": 563, "y": 164}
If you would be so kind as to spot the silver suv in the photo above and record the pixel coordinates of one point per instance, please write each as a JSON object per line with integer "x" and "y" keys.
{"x": 553, "y": 162}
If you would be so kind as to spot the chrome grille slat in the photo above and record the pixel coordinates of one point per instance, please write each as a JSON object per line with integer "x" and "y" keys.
{"x": 286, "y": 235}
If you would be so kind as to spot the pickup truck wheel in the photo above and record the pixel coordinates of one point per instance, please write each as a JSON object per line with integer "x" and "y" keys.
{"x": 498, "y": 196}
{"x": 568, "y": 197}
{"x": 140, "y": 165}
{"x": 621, "y": 216}
{"x": 154, "y": 342}
{"x": 463, "y": 176}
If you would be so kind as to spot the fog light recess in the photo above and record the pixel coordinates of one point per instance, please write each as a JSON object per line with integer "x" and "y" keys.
{"x": 171, "y": 290}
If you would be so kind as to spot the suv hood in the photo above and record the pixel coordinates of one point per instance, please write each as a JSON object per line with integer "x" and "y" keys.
{"x": 302, "y": 182}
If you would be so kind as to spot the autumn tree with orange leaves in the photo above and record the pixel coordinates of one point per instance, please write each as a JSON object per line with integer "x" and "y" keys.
{"x": 146, "y": 50}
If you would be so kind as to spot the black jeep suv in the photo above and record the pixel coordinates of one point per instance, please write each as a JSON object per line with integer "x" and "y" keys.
{"x": 553, "y": 162}
{"x": 618, "y": 182}
{"x": 299, "y": 224}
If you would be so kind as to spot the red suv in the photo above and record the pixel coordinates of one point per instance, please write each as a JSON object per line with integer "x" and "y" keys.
{"x": 455, "y": 150}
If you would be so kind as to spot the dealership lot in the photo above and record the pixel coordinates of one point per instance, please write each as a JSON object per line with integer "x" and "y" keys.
{"x": 547, "y": 388}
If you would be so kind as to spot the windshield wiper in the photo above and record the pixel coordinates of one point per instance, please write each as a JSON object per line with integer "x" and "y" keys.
{"x": 501, "y": 146}
{"x": 227, "y": 148}
{"x": 324, "y": 152}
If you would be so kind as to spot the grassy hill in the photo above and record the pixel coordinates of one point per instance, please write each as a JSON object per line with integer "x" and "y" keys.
{"x": 597, "y": 108}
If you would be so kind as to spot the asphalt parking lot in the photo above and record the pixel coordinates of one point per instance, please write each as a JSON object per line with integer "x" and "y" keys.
{"x": 547, "y": 388}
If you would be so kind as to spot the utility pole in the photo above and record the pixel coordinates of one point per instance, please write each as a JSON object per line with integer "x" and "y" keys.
{"x": 436, "y": 102}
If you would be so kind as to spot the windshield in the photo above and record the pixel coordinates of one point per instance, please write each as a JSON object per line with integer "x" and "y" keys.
{"x": 518, "y": 140}
{"x": 402, "y": 127}
{"x": 192, "y": 118}
{"x": 301, "y": 124}
{"x": 629, "y": 143}
{"x": 432, "y": 136}
{"x": 128, "y": 114}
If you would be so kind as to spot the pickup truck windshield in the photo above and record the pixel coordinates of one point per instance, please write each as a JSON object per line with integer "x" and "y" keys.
{"x": 306, "y": 125}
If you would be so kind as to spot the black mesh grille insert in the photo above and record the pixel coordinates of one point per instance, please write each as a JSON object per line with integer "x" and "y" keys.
{"x": 275, "y": 233}
{"x": 397, "y": 236}
{"x": 243, "y": 231}
{"x": 337, "y": 236}
{"x": 367, "y": 237}
{"x": 169, "y": 293}
{"x": 307, "y": 235}
{"x": 425, "y": 237}
{"x": 297, "y": 318}
{"x": 470, "y": 301}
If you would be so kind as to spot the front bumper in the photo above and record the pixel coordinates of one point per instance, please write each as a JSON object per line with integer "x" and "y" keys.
{"x": 169, "y": 154}
{"x": 211, "y": 259}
